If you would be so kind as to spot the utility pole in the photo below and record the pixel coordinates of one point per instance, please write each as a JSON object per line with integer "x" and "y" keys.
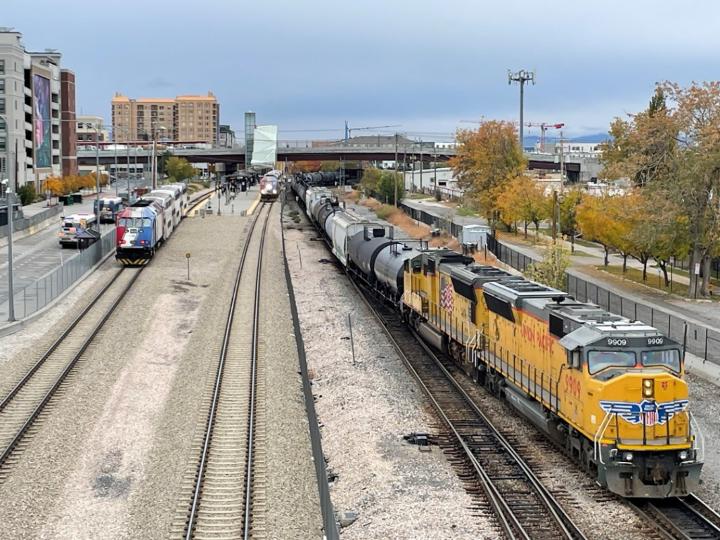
{"x": 555, "y": 220}
{"x": 521, "y": 77}
{"x": 421, "y": 164}
{"x": 396, "y": 167}
{"x": 153, "y": 165}
{"x": 116, "y": 163}
{"x": 562, "y": 160}
{"x": 127, "y": 156}
{"x": 97, "y": 175}
{"x": 435, "y": 165}
{"x": 10, "y": 200}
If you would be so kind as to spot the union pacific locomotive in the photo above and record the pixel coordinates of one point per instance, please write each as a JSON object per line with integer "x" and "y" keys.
{"x": 609, "y": 390}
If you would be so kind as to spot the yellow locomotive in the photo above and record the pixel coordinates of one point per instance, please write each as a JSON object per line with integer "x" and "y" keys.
{"x": 609, "y": 390}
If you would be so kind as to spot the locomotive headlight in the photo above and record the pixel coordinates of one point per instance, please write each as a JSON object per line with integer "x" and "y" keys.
{"x": 627, "y": 456}
{"x": 683, "y": 455}
{"x": 648, "y": 388}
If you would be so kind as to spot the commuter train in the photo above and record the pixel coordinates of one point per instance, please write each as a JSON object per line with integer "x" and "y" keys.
{"x": 270, "y": 186}
{"x": 609, "y": 391}
{"x": 148, "y": 223}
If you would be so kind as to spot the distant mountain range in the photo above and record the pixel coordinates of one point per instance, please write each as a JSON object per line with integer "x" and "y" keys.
{"x": 532, "y": 140}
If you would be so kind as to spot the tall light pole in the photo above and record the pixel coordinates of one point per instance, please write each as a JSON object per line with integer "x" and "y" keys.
{"x": 97, "y": 174}
{"x": 154, "y": 156}
{"x": 9, "y": 198}
{"x": 521, "y": 77}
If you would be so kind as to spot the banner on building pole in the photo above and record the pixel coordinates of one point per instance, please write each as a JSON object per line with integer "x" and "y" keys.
{"x": 265, "y": 146}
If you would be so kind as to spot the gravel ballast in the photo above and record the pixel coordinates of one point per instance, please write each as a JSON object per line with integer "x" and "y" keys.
{"x": 365, "y": 407}
{"x": 293, "y": 507}
{"x": 107, "y": 459}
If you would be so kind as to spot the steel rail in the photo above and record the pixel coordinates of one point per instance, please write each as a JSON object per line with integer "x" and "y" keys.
{"x": 253, "y": 387}
{"x": 202, "y": 464}
{"x": 67, "y": 369}
{"x": 22, "y": 382}
{"x": 507, "y": 517}
{"x": 687, "y": 518}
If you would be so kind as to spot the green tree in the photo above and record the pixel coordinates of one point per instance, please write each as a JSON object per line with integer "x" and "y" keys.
{"x": 486, "y": 159}
{"x": 390, "y": 188}
{"x": 370, "y": 180}
{"x": 179, "y": 169}
{"x": 552, "y": 269}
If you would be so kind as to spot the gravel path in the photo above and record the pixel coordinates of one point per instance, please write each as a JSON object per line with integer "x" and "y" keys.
{"x": 292, "y": 513}
{"x": 705, "y": 405}
{"x": 365, "y": 408}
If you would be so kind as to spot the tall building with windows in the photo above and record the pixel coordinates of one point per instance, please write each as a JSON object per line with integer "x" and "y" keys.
{"x": 182, "y": 119}
{"x": 32, "y": 88}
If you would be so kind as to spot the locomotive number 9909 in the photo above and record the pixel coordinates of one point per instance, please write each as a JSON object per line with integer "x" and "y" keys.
{"x": 617, "y": 342}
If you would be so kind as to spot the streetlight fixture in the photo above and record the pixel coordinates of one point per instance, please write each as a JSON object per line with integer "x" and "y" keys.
{"x": 9, "y": 198}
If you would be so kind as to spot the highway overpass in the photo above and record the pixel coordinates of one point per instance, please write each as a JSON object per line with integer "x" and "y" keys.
{"x": 577, "y": 167}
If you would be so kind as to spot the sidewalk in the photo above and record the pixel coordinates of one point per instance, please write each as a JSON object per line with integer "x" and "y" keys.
{"x": 703, "y": 312}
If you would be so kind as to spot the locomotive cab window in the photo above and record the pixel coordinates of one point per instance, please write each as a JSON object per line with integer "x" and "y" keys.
{"x": 599, "y": 360}
{"x": 669, "y": 359}
{"x": 574, "y": 358}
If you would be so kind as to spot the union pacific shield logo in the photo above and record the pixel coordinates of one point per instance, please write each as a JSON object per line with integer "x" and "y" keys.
{"x": 654, "y": 413}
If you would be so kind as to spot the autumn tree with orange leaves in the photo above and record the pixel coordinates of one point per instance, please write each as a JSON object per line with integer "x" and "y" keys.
{"x": 522, "y": 199}
{"x": 671, "y": 151}
{"x": 486, "y": 160}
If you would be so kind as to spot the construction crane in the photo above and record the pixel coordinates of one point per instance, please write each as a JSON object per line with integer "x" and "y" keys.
{"x": 544, "y": 126}
{"x": 349, "y": 130}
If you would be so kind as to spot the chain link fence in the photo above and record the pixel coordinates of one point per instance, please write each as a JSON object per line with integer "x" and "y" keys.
{"x": 699, "y": 340}
{"x": 39, "y": 294}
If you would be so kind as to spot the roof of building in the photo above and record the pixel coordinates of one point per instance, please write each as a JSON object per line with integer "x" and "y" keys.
{"x": 155, "y": 100}
{"x": 209, "y": 97}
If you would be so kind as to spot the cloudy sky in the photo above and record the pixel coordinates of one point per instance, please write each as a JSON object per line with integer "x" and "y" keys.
{"x": 425, "y": 66}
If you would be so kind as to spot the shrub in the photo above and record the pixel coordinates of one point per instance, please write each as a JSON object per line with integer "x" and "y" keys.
{"x": 27, "y": 193}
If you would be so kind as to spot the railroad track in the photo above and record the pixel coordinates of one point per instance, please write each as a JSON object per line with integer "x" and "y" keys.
{"x": 524, "y": 508}
{"x": 227, "y": 497}
{"x": 20, "y": 408}
{"x": 688, "y": 518}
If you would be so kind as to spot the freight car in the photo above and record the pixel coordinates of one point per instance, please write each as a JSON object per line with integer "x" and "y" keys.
{"x": 608, "y": 390}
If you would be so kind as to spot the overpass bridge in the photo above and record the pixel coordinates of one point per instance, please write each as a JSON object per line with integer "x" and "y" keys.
{"x": 577, "y": 167}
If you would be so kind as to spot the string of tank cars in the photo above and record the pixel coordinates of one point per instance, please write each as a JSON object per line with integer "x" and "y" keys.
{"x": 633, "y": 432}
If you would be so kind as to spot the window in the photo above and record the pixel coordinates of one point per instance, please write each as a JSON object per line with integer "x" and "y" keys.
{"x": 669, "y": 359}
{"x": 2, "y": 86}
{"x": 2, "y": 67}
{"x": 599, "y": 360}
{"x": 2, "y": 105}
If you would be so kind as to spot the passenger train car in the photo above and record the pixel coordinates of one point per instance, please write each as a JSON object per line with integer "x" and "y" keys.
{"x": 608, "y": 390}
{"x": 149, "y": 222}
{"x": 270, "y": 186}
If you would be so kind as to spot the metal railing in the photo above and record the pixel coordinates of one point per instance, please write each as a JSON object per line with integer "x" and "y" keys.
{"x": 37, "y": 295}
